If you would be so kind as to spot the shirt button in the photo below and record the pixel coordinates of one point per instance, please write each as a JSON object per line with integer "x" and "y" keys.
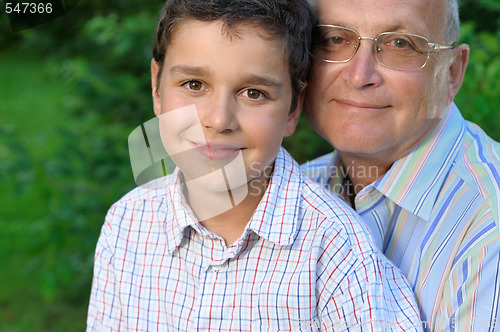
{"x": 217, "y": 268}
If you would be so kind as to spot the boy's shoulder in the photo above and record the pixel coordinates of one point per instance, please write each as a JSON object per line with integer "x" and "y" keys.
{"x": 155, "y": 190}
{"x": 318, "y": 208}
{"x": 323, "y": 200}
{"x": 148, "y": 204}
{"x": 313, "y": 196}
{"x": 325, "y": 222}
{"x": 329, "y": 206}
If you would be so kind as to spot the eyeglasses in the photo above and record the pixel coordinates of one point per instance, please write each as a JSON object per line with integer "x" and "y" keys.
{"x": 401, "y": 51}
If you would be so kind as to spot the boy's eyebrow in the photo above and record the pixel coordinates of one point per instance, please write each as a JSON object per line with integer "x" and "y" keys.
{"x": 189, "y": 70}
{"x": 263, "y": 80}
{"x": 251, "y": 79}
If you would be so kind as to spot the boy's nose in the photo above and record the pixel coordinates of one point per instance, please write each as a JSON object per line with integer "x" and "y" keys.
{"x": 219, "y": 114}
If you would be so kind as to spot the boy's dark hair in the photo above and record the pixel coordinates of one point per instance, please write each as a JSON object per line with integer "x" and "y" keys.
{"x": 290, "y": 21}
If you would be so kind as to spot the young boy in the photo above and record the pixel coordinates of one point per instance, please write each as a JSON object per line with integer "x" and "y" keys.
{"x": 237, "y": 239}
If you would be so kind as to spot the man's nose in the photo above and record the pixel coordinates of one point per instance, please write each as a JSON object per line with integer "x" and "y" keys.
{"x": 363, "y": 68}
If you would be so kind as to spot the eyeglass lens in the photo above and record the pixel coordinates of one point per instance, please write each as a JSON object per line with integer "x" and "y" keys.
{"x": 394, "y": 50}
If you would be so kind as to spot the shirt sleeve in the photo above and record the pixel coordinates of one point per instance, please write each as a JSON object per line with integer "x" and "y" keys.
{"x": 374, "y": 296}
{"x": 104, "y": 312}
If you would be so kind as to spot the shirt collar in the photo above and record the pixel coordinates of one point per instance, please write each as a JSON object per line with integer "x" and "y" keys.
{"x": 273, "y": 219}
{"x": 179, "y": 215}
{"x": 414, "y": 181}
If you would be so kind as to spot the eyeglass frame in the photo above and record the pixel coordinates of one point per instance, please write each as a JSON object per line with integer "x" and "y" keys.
{"x": 433, "y": 47}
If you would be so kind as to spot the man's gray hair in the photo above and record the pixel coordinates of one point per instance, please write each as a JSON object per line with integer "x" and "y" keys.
{"x": 452, "y": 31}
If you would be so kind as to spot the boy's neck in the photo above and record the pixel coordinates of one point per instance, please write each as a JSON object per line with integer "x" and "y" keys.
{"x": 219, "y": 214}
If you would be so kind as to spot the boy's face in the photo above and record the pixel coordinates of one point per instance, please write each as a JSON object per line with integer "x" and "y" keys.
{"x": 224, "y": 104}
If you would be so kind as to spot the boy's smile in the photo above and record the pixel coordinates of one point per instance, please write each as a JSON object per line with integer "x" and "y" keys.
{"x": 240, "y": 87}
{"x": 217, "y": 151}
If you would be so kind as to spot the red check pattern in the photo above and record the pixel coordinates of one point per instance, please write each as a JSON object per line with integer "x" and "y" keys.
{"x": 304, "y": 262}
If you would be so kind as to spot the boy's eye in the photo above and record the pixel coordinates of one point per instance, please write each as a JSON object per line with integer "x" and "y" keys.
{"x": 253, "y": 94}
{"x": 194, "y": 85}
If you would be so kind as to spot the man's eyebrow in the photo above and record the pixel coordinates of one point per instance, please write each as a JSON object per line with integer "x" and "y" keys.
{"x": 263, "y": 80}
{"x": 391, "y": 28}
{"x": 189, "y": 70}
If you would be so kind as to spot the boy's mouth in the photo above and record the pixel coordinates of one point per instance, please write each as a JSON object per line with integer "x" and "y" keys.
{"x": 217, "y": 150}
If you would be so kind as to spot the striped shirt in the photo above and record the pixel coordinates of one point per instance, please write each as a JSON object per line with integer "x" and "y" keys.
{"x": 304, "y": 262}
{"x": 435, "y": 214}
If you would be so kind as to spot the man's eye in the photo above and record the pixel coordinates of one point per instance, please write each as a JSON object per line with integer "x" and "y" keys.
{"x": 254, "y": 94}
{"x": 403, "y": 44}
{"x": 336, "y": 40}
{"x": 400, "y": 43}
{"x": 194, "y": 85}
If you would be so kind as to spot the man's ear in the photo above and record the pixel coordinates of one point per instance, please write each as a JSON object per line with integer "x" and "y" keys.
{"x": 457, "y": 70}
{"x": 155, "y": 68}
{"x": 294, "y": 116}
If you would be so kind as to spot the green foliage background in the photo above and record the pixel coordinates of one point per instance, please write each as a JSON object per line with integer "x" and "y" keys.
{"x": 71, "y": 91}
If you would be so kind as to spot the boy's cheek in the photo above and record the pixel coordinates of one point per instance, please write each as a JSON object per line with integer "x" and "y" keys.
{"x": 181, "y": 121}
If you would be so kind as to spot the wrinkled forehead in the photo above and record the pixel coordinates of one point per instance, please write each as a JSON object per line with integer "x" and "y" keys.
{"x": 368, "y": 17}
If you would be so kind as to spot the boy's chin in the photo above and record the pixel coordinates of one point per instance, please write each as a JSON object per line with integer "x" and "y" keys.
{"x": 216, "y": 182}
{"x": 210, "y": 195}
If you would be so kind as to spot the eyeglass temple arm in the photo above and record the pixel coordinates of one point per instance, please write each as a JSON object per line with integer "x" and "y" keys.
{"x": 438, "y": 47}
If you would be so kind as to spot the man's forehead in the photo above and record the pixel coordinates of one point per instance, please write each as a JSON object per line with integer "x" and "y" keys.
{"x": 325, "y": 7}
{"x": 425, "y": 16}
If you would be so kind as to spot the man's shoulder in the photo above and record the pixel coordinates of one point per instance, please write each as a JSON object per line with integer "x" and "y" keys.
{"x": 479, "y": 161}
{"x": 479, "y": 147}
{"x": 478, "y": 165}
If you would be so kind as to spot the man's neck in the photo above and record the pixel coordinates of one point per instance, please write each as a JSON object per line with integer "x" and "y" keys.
{"x": 364, "y": 169}
{"x": 362, "y": 172}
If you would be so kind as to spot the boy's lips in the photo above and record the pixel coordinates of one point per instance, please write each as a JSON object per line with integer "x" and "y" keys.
{"x": 217, "y": 150}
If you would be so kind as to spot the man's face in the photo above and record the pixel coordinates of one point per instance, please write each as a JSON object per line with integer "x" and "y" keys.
{"x": 223, "y": 103}
{"x": 366, "y": 110}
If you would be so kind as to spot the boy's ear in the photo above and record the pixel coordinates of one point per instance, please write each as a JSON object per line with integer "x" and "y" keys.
{"x": 457, "y": 70}
{"x": 155, "y": 67}
{"x": 294, "y": 115}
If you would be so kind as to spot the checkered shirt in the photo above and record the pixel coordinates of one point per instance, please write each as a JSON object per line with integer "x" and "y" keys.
{"x": 303, "y": 263}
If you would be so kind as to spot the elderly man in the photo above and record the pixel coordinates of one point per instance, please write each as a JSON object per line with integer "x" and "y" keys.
{"x": 425, "y": 181}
